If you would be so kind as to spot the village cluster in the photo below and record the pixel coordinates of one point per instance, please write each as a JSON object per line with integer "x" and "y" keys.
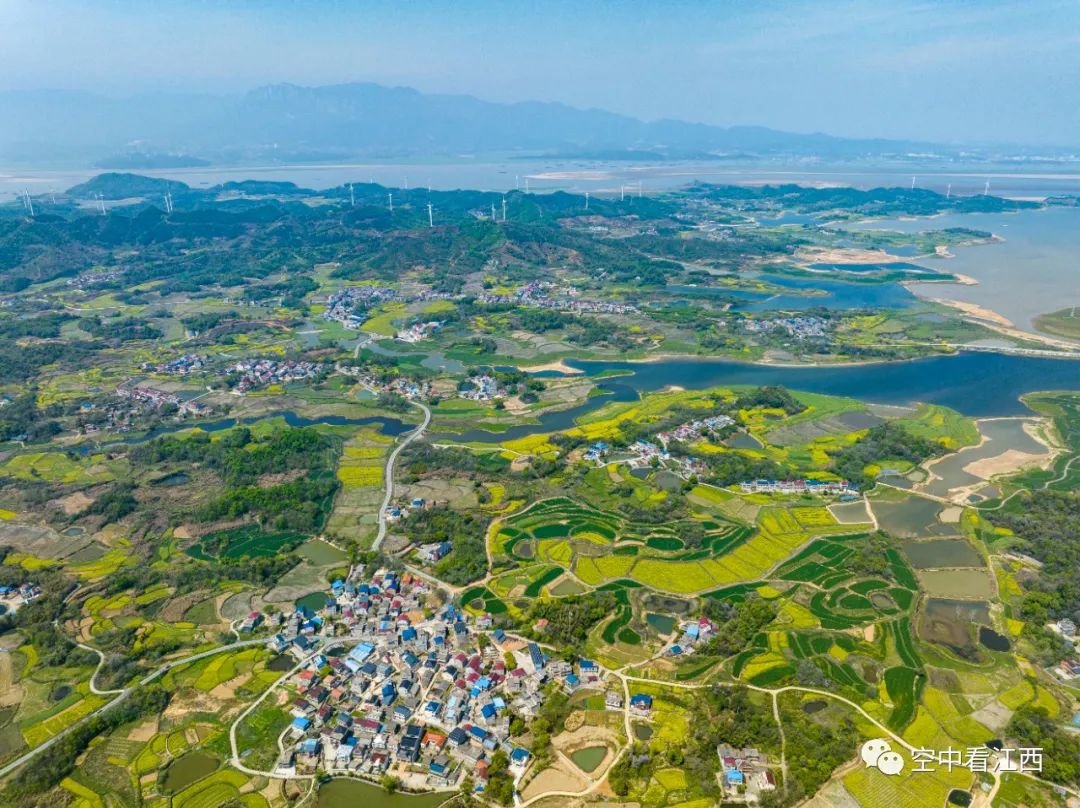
{"x": 481, "y": 387}
{"x": 418, "y": 331}
{"x": 798, "y": 327}
{"x": 252, "y": 374}
{"x": 1068, "y": 669}
{"x": 12, "y": 597}
{"x": 96, "y": 277}
{"x": 401, "y": 385}
{"x": 424, "y": 694}
{"x": 349, "y": 306}
{"x": 547, "y": 295}
{"x": 181, "y": 366}
{"x": 840, "y": 488}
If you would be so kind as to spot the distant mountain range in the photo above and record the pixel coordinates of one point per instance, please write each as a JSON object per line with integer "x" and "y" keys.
{"x": 287, "y": 123}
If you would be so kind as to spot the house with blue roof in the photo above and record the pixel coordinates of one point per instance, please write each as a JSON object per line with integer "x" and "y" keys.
{"x": 519, "y": 757}
{"x": 641, "y": 703}
{"x": 536, "y": 656}
{"x": 588, "y": 667}
{"x": 571, "y": 683}
{"x": 300, "y": 724}
{"x": 478, "y": 733}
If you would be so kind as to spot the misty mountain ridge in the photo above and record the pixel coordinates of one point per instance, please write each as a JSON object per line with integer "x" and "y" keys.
{"x": 290, "y": 123}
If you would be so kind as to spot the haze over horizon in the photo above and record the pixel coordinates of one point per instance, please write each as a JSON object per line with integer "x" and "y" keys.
{"x": 987, "y": 72}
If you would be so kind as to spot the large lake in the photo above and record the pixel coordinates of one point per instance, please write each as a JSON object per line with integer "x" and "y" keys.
{"x": 1036, "y": 269}
{"x": 975, "y": 383}
{"x": 503, "y": 172}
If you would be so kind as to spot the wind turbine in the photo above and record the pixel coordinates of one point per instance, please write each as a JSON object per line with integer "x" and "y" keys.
{"x": 430, "y": 216}
{"x": 29, "y": 201}
{"x": 913, "y": 183}
{"x": 504, "y": 208}
{"x": 622, "y": 192}
{"x": 586, "y": 200}
{"x": 986, "y": 188}
{"x": 391, "y": 198}
{"x": 526, "y": 185}
{"x": 948, "y": 191}
{"x": 101, "y": 202}
{"x": 640, "y": 189}
{"x": 352, "y": 197}
{"x": 492, "y": 211}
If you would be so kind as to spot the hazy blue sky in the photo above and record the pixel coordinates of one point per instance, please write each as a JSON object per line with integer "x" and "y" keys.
{"x": 983, "y": 70}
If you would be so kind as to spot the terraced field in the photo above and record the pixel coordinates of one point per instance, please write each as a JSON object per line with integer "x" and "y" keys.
{"x": 600, "y": 547}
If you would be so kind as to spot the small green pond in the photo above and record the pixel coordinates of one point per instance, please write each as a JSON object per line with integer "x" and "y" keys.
{"x": 313, "y": 601}
{"x": 186, "y": 770}
{"x": 662, "y": 623}
{"x": 589, "y": 758}
{"x": 350, "y": 793}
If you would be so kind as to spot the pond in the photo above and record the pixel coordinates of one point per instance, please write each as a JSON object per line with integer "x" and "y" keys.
{"x": 186, "y": 769}
{"x": 313, "y": 601}
{"x": 743, "y": 440}
{"x": 992, "y": 640}
{"x": 169, "y": 480}
{"x": 662, "y": 623}
{"x": 340, "y": 793}
{"x": 950, "y": 623}
{"x": 941, "y": 553}
{"x": 642, "y": 731}
{"x": 280, "y": 664}
{"x": 589, "y": 758}
{"x": 815, "y": 706}
{"x": 971, "y": 584}
{"x": 60, "y": 692}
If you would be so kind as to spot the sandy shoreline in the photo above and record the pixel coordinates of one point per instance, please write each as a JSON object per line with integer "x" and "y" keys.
{"x": 559, "y": 366}
{"x": 1003, "y": 325}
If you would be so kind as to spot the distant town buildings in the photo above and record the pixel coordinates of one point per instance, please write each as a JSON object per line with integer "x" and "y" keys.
{"x": 819, "y": 487}
{"x": 252, "y": 374}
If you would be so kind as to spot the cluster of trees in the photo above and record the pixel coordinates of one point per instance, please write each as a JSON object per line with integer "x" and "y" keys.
{"x": 238, "y": 457}
{"x": 551, "y": 720}
{"x": 465, "y": 530}
{"x": 125, "y": 329}
{"x": 813, "y": 751}
{"x": 21, "y": 362}
{"x": 21, "y": 416}
{"x": 299, "y": 505}
{"x": 570, "y": 619}
{"x": 737, "y": 623}
{"x": 887, "y": 441}
{"x": 1033, "y": 729}
{"x": 1048, "y": 525}
{"x": 114, "y": 504}
{"x": 421, "y": 458}
{"x": 717, "y": 715}
{"x": 500, "y": 784}
{"x": 771, "y": 397}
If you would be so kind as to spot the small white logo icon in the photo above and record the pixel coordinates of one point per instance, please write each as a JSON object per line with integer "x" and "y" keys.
{"x": 877, "y": 753}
